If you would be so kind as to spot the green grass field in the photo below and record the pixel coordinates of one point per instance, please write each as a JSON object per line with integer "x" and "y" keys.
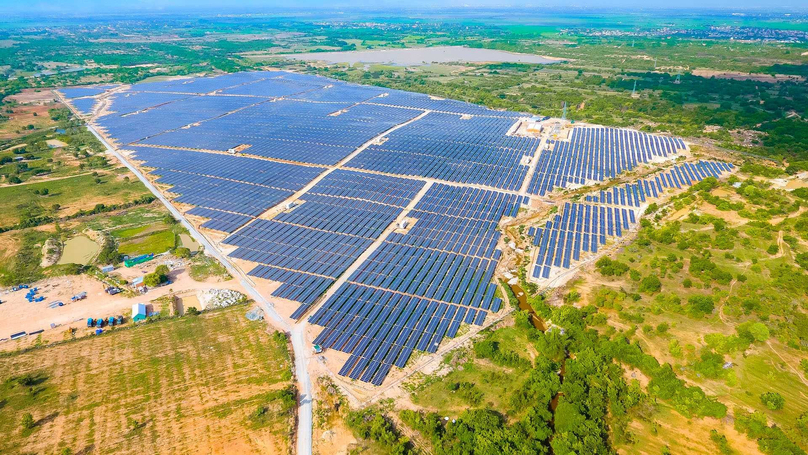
{"x": 156, "y": 242}
{"x": 72, "y": 194}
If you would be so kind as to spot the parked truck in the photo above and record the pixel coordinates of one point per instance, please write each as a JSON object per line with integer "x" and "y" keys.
{"x": 90, "y": 322}
{"x": 111, "y": 321}
{"x": 99, "y": 322}
{"x": 79, "y": 296}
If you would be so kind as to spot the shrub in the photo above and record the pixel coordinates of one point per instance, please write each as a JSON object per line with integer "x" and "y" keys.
{"x": 27, "y": 421}
{"x": 773, "y": 400}
{"x": 182, "y": 252}
{"x": 608, "y": 267}
{"x": 650, "y": 284}
{"x": 700, "y": 305}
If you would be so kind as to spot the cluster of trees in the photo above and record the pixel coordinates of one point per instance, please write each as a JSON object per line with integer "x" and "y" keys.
{"x": 158, "y": 277}
{"x": 103, "y": 208}
{"x": 771, "y": 439}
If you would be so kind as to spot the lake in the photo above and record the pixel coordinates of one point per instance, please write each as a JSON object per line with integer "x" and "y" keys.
{"x": 423, "y": 56}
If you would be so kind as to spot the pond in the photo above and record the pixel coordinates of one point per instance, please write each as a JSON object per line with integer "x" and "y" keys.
{"x": 188, "y": 242}
{"x": 423, "y": 56}
{"x": 79, "y": 250}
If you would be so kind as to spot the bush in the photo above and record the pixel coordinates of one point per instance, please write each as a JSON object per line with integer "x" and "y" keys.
{"x": 773, "y": 400}
{"x": 608, "y": 267}
{"x": 650, "y": 284}
{"x": 772, "y": 249}
{"x": 182, "y": 252}
{"x": 27, "y": 421}
{"x": 700, "y": 305}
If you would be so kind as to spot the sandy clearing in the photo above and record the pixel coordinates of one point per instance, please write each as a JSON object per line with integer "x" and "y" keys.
{"x": 17, "y": 314}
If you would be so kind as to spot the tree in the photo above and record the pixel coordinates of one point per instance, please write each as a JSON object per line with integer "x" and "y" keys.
{"x": 650, "y": 284}
{"x": 152, "y": 280}
{"x": 192, "y": 311}
{"x": 699, "y": 305}
{"x": 773, "y": 400}
{"x": 608, "y": 267}
{"x": 182, "y": 252}
{"x": 27, "y": 421}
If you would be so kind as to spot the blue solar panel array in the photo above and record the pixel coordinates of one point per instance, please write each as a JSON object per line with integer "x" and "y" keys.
{"x": 220, "y": 220}
{"x": 130, "y": 128}
{"x": 419, "y": 286}
{"x": 129, "y": 102}
{"x": 421, "y": 282}
{"x": 223, "y": 183}
{"x": 200, "y": 85}
{"x": 78, "y": 92}
{"x": 310, "y": 245}
{"x": 83, "y": 105}
{"x": 290, "y": 130}
{"x": 421, "y": 101}
{"x": 686, "y": 174}
{"x": 579, "y": 227}
{"x": 597, "y": 154}
{"x": 448, "y": 147}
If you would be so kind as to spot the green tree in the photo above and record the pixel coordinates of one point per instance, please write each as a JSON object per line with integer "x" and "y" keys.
{"x": 650, "y": 284}
{"x": 773, "y": 400}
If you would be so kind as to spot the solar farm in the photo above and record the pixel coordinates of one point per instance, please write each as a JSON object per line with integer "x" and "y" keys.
{"x": 377, "y": 214}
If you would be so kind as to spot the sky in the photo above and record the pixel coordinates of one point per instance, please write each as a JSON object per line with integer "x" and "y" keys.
{"x": 114, "y": 6}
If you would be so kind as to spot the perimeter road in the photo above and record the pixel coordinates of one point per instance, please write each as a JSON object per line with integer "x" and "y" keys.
{"x": 304, "y": 425}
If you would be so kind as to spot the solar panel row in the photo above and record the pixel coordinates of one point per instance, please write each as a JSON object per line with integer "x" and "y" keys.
{"x": 381, "y": 328}
{"x": 290, "y": 130}
{"x": 419, "y": 286}
{"x": 579, "y": 227}
{"x": 597, "y": 154}
{"x": 78, "y": 92}
{"x": 128, "y": 102}
{"x": 334, "y": 223}
{"x": 420, "y": 101}
{"x": 223, "y": 183}
{"x": 130, "y": 128}
{"x": 84, "y": 105}
{"x": 220, "y": 220}
{"x": 634, "y": 194}
{"x": 448, "y": 147}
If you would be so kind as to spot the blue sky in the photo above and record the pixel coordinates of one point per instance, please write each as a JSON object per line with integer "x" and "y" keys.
{"x": 109, "y": 6}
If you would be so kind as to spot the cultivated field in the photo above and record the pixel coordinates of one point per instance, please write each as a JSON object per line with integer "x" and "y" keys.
{"x": 213, "y": 383}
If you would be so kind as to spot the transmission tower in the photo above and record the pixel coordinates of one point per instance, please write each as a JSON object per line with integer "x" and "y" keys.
{"x": 634, "y": 90}
{"x": 564, "y": 112}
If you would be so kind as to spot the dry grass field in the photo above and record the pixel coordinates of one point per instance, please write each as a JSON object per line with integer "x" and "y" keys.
{"x": 213, "y": 383}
